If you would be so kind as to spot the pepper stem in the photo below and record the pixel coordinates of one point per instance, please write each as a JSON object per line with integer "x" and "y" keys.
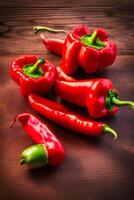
{"x": 93, "y": 37}
{"x": 22, "y": 161}
{"x": 45, "y": 28}
{"x": 34, "y": 69}
{"x": 106, "y": 128}
{"x": 119, "y": 102}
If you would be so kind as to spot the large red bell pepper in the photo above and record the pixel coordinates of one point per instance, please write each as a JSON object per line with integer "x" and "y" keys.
{"x": 98, "y": 95}
{"x": 92, "y": 52}
{"x": 33, "y": 74}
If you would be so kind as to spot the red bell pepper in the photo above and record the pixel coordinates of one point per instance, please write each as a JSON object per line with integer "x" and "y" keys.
{"x": 63, "y": 116}
{"x": 92, "y": 52}
{"x": 33, "y": 74}
{"x": 98, "y": 95}
{"x": 48, "y": 151}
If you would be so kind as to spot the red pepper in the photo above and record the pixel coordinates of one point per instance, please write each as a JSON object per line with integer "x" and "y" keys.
{"x": 48, "y": 151}
{"x": 83, "y": 30}
{"x": 71, "y": 48}
{"x": 98, "y": 95}
{"x": 52, "y": 44}
{"x": 61, "y": 115}
{"x": 92, "y": 52}
{"x": 33, "y": 74}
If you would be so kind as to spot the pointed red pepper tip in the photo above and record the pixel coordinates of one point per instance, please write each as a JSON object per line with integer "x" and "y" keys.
{"x": 23, "y": 118}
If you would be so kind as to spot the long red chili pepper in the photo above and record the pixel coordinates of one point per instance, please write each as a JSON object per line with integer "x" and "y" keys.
{"x": 52, "y": 44}
{"x": 33, "y": 74}
{"x": 49, "y": 149}
{"x": 98, "y": 95}
{"x": 61, "y": 115}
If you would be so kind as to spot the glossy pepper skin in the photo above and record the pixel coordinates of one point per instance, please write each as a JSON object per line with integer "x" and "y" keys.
{"x": 97, "y": 95}
{"x": 63, "y": 116}
{"x": 53, "y": 45}
{"x": 62, "y": 76}
{"x": 33, "y": 74}
{"x": 92, "y": 52}
{"x": 49, "y": 151}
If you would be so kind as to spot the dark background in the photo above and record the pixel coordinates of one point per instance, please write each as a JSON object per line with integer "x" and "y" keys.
{"x": 94, "y": 169}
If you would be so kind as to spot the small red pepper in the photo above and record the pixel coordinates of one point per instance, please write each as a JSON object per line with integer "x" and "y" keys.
{"x": 33, "y": 74}
{"x": 48, "y": 151}
{"x": 98, "y": 95}
{"x": 61, "y": 115}
{"x": 52, "y": 44}
{"x": 92, "y": 52}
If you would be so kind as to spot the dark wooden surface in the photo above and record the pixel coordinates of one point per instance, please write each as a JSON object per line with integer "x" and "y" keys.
{"x": 94, "y": 169}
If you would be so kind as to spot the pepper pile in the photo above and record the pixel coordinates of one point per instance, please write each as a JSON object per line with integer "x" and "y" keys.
{"x": 36, "y": 76}
{"x": 91, "y": 51}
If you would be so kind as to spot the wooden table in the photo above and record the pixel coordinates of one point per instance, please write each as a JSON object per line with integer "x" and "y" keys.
{"x": 94, "y": 169}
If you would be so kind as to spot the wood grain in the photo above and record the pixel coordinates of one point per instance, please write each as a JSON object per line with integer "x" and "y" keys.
{"x": 94, "y": 169}
{"x": 16, "y": 24}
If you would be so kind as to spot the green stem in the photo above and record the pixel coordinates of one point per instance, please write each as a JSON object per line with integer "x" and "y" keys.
{"x": 45, "y": 28}
{"x": 92, "y": 41}
{"x": 93, "y": 37}
{"x": 119, "y": 102}
{"x": 34, "y": 69}
{"x": 106, "y": 128}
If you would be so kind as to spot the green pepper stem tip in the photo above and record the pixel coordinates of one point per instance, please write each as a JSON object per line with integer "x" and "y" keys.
{"x": 119, "y": 102}
{"x": 93, "y": 37}
{"x": 106, "y": 128}
{"x": 35, "y": 67}
{"x": 22, "y": 161}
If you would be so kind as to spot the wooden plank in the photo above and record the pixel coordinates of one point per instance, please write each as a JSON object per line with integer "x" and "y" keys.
{"x": 93, "y": 169}
{"x": 16, "y": 25}
{"x": 63, "y": 3}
